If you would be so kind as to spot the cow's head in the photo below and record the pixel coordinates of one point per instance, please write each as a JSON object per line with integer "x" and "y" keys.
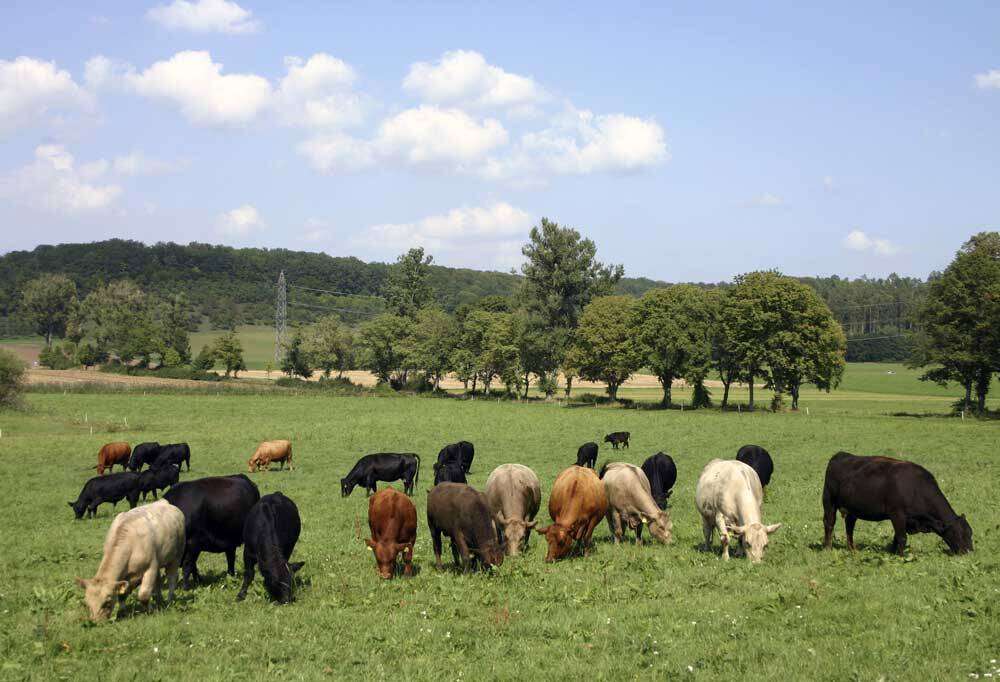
{"x": 279, "y": 579}
{"x": 385, "y": 553}
{"x": 753, "y": 538}
{"x": 252, "y": 464}
{"x": 958, "y": 535}
{"x": 560, "y": 539}
{"x": 100, "y": 596}
{"x": 515, "y": 532}
{"x": 346, "y": 486}
{"x": 660, "y": 526}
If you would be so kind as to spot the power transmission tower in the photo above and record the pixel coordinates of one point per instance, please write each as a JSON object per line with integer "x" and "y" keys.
{"x": 280, "y": 318}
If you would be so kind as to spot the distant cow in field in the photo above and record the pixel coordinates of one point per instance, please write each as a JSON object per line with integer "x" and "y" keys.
{"x": 271, "y": 451}
{"x": 586, "y": 455}
{"x": 270, "y": 532}
{"x": 111, "y": 454}
{"x": 882, "y": 488}
{"x": 112, "y": 488}
{"x": 384, "y": 466}
{"x": 463, "y": 514}
{"x": 630, "y": 504}
{"x": 392, "y": 520}
{"x": 577, "y": 504}
{"x": 175, "y": 454}
{"x": 215, "y": 511}
{"x": 143, "y": 454}
{"x": 138, "y": 545}
{"x": 460, "y": 453}
{"x": 157, "y": 478}
{"x": 514, "y": 494}
{"x": 728, "y": 497}
{"x": 661, "y": 472}
{"x": 758, "y": 459}
{"x": 618, "y": 438}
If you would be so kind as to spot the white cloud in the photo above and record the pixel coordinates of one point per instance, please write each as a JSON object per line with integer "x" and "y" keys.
{"x": 464, "y": 78}
{"x": 31, "y": 89}
{"x": 342, "y": 153}
{"x": 196, "y": 85}
{"x": 204, "y": 16}
{"x": 318, "y": 93}
{"x": 53, "y": 183}
{"x": 857, "y": 240}
{"x": 767, "y": 200}
{"x": 989, "y": 80}
{"x": 829, "y": 184}
{"x": 137, "y": 163}
{"x": 240, "y": 222}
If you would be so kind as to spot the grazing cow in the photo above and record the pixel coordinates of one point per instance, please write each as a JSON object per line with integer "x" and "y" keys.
{"x": 174, "y": 454}
{"x": 139, "y": 543}
{"x": 112, "y": 454}
{"x": 112, "y": 488}
{"x": 144, "y": 454}
{"x": 631, "y": 504}
{"x": 514, "y": 494}
{"x": 269, "y": 535}
{"x": 449, "y": 472}
{"x": 577, "y": 504}
{"x": 463, "y": 514}
{"x": 661, "y": 472}
{"x": 881, "y": 488}
{"x": 460, "y": 453}
{"x": 392, "y": 520}
{"x": 586, "y": 455}
{"x": 215, "y": 511}
{"x": 271, "y": 451}
{"x": 728, "y": 498}
{"x": 618, "y": 438}
{"x": 157, "y": 478}
{"x": 384, "y": 466}
{"x": 758, "y": 459}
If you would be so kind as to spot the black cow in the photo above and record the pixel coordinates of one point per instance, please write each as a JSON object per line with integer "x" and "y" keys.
{"x": 881, "y": 488}
{"x": 449, "y": 472}
{"x": 662, "y": 474}
{"x": 617, "y": 438}
{"x": 384, "y": 466}
{"x": 269, "y": 536}
{"x": 174, "y": 454}
{"x": 586, "y": 455}
{"x": 111, "y": 488}
{"x": 758, "y": 459}
{"x": 463, "y": 514}
{"x": 144, "y": 454}
{"x": 460, "y": 453}
{"x": 157, "y": 478}
{"x": 215, "y": 510}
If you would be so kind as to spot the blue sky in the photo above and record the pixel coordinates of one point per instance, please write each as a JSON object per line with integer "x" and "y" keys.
{"x": 690, "y": 143}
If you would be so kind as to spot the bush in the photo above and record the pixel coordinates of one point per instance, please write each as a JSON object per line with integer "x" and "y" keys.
{"x": 171, "y": 358}
{"x": 58, "y": 357}
{"x": 205, "y": 360}
{"x": 88, "y": 355}
{"x": 11, "y": 379}
{"x": 189, "y": 373}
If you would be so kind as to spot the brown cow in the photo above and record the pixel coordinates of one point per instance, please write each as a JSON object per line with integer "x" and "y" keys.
{"x": 112, "y": 454}
{"x": 392, "y": 519}
{"x": 577, "y": 504}
{"x": 271, "y": 451}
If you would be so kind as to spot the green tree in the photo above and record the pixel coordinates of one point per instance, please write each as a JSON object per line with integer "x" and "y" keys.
{"x": 434, "y": 339}
{"x": 673, "y": 333}
{"x": 175, "y": 315}
{"x": 463, "y": 363}
{"x": 119, "y": 319}
{"x": 87, "y": 355}
{"x": 11, "y": 379}
{"x": 604, "y": 347}
{"x": 383, "y": 343}
{"x": 296, "y": 361}
{"x": 725, "y": 359}
{"x": 205, "y": 359}
{"x": 228, "y": 350}
{"x": 408, "y": 288}
{"x": 48, "y": 302}
{"x": 329, "y": 344}
{"x": 959, "y": 337}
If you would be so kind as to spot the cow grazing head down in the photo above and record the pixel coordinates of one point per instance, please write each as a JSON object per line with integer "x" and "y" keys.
{"x": 958, "y": 534}
{"x": 515, "y": 533}
{"x": 101, "y": 595}
{"x": 386, "y": 553}
{"x": 346, "y": 486}
{"x": 660, "y": 526}
{"x": 78, "y": 509}
{"x": 560, "y": 539}
{"x": 279, "y": 579}
{"x": 753, "y": 538}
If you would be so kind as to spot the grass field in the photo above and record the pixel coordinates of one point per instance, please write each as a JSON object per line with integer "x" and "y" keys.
{"x": 649, "y": 612}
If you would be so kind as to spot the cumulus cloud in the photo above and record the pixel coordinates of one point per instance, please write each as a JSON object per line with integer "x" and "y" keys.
{"x": 54, "y": 183}
{"x": 31, "y": 89}
{"x": 318, "y": 93}
{"x": 989, "y": 80}
{"x": 137, "y": 163}
{"x": 464, "y": 78}
{"x": 204, "y": 16}
{"x": 767, "y": 200}
{"x": 240, "y": 222}
{"x": 857, "y": 240}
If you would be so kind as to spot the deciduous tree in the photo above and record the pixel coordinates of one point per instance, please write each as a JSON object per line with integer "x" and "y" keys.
{"x": 604, "y": 347}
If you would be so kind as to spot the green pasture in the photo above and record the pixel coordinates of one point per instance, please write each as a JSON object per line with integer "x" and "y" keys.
{"x": 626, "y": 612}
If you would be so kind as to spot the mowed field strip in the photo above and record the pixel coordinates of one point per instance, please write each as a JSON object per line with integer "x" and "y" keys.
{"x": 625, "y": 612}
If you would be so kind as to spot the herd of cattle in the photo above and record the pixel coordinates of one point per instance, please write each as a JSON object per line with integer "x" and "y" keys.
{"x": 220, "y": 513}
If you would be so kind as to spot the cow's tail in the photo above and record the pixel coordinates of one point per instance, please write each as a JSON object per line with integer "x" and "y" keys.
{"x": 416, "y": 478}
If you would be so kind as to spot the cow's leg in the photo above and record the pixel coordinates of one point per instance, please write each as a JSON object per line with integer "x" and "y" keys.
{"x": 899, "y": 533}
{"x": 708, "y": 528}
{"x": 191, "y": 566}
{"x": 231, "y": 561}
{"x": 829, "y": 521}
{"x": 171, "y": 581}
{"x": 463, "y": 551}
{"x": 408, "y": 561}
{"x": 588, "y": 533}
{"x": 720, "y": 523}
{"x": 436, "y": 543}
{"x": 154, "y": 494}
{"x": 148, "y": 584}
{"x": 849, "y": 522}
{"x": 248, "y": 565}
{"x": 638, "y": 534}
{"x": 614, "y": 525}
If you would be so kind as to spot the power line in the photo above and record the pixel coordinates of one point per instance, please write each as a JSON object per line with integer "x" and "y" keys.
{"x": 335, "y": 293}
{"x": 877, "y": 338}
{"x": 340, "y": 310}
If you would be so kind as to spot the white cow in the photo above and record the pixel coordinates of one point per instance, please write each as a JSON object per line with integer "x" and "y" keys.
{"x": 515, "y": 494}
{"x": 139, "y": 543}
{"x": 728, "y": 498}
{"x": 630, "y": 503}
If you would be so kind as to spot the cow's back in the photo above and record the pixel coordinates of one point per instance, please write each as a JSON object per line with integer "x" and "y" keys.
{"x": 724, "y": 485}
{"x": 514, "y": 490}
{"x": 215, "y": 508}
{"x": 577, "y": 493}
{"x": 392, "y": 515}
{"x": 628, "y": 489}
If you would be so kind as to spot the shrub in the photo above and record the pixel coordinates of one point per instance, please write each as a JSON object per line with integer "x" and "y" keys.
{"x": 88, "y": 355}
{"x": 11, "y": 379}
{"x": 58, "y": 357}
{"x": 205, "y": 360}
{"x": 171, "y": 358}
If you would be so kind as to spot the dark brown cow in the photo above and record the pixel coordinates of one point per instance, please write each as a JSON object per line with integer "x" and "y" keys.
{"x": 577, "y": 504}
{"x": 392, "y": 519}
{"x": 882, "y": 488}
{"x": 112, "y": 454}
{"x": 463, "y": 514}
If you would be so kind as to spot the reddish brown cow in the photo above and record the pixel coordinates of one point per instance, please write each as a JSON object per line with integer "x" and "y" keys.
{"x": 112, "y": 454}
{"x": 577, "y": 504}
{"x": 392, "y": 519}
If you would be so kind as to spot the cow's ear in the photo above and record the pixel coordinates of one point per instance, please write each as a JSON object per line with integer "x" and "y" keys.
{"x": 82, "y": 582}
{"x": 121, "y": 586}
{"x": 542, "y": 531}
{"x": 70, "y": 504}
{"x": 530, "y": 524}
{"x": 370, "y": 543}
{"x": 296, "y": 565}
{"x": 773, "y": 527}
{"x": 738, "y": 530}
{"x": 501, "y": 518}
